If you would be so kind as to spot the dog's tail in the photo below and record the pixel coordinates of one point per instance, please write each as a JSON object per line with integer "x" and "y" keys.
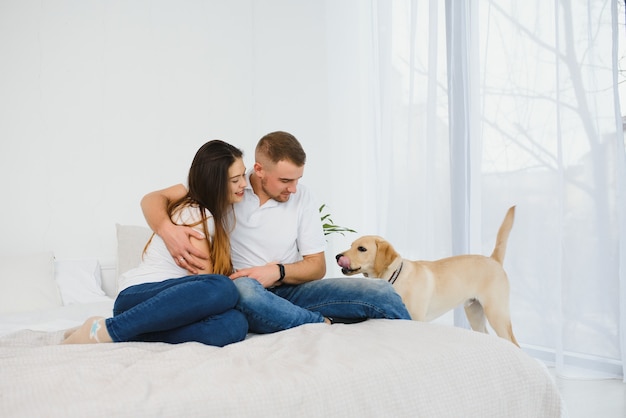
{"x": 503, "y": 236}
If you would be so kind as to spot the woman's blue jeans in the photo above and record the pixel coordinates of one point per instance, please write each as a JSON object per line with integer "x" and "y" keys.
{"x": 286, "y": 306}
{"x": 194, "y": 308}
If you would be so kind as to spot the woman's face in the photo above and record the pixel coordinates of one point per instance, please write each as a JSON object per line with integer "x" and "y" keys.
{"x": 237, "y": 180}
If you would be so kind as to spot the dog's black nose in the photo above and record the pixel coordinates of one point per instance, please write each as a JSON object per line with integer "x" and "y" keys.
{"x": 338, "y": 256}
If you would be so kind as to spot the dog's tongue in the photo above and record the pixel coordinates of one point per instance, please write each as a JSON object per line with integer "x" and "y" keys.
{"x": 344, "y": 262}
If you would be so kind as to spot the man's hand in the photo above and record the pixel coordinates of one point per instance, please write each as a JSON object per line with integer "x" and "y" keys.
{"x": 267, "y": 275}
{"x": 177, "y": 239}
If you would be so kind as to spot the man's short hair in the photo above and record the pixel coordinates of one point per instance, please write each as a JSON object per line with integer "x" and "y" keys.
{"x": 278, "y": 146}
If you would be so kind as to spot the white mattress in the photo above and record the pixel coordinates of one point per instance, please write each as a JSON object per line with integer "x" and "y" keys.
{"x": 378, "y": 368}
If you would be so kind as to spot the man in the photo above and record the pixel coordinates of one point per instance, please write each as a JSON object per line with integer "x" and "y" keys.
{"x": 277, "y": 248}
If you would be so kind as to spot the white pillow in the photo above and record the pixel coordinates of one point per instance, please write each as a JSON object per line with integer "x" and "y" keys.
{"x": 80, "y": 281}
{"x": 131, "y": 240}
{"x": 27, "y": 283}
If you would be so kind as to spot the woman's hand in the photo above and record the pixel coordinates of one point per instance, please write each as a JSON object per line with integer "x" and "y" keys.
{"x": 267, "y": 275}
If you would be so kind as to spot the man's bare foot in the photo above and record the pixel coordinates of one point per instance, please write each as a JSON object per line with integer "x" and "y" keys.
{"x": 93, "y": 331}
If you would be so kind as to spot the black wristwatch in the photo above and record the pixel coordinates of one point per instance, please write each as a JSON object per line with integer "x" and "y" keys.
{"x": 281, "y": 268}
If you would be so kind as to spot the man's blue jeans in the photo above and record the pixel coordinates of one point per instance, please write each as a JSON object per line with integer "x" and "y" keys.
{"x": 194, "y": 308}
{"x": 286, "y": 306}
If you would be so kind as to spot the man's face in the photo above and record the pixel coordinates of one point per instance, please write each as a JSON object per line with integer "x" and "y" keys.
{"x": 280, "y": 180}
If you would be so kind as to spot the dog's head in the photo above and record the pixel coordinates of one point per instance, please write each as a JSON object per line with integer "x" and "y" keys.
{"x": 369, "y": 255}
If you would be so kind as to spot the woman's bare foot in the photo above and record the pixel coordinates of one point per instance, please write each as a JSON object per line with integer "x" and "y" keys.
{"x": 93, "y": 331}
{"x": 70, "y": 331}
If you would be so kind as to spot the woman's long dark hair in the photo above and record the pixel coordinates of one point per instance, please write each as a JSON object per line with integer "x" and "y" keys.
{"x": 209, "y": 189}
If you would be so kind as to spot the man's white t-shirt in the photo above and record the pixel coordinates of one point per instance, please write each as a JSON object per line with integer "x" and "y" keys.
{"x": 279, "y": 232}
{"x": 157, "y": 263}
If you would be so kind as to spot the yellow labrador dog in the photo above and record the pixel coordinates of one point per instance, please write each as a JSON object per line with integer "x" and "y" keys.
{"x": 431, "y": 288}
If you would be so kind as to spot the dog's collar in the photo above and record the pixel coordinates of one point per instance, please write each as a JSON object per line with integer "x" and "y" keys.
{"x": 395, "y": 274}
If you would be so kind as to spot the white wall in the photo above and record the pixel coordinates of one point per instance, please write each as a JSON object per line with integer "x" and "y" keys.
{"x": 104, "y": 101}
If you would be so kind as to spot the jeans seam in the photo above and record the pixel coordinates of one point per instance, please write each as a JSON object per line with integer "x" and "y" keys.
{"x": 350, "y": 302}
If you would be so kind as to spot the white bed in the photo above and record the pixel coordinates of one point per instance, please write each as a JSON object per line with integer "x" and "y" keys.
{"x": 378, "y": 368}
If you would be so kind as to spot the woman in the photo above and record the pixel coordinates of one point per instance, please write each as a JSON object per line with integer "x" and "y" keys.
{"x": 158, "y": 301}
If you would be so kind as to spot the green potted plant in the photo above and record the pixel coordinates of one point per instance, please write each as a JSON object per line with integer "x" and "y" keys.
{"x": 329, "y": 225}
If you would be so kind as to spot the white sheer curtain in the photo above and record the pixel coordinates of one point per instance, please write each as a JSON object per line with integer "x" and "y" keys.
{"x": 450, "y": 112}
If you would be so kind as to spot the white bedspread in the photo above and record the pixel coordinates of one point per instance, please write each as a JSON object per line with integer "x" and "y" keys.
{"x": 379, "y": 368}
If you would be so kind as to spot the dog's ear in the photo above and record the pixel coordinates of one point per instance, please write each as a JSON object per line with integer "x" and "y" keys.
{"x": 385, "y": 254}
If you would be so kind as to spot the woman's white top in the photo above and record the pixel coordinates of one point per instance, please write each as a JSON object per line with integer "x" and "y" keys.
{"x": 157, "y": 264}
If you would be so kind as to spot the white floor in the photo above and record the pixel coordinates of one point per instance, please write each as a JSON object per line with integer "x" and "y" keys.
{"x": 590, "y": 398}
